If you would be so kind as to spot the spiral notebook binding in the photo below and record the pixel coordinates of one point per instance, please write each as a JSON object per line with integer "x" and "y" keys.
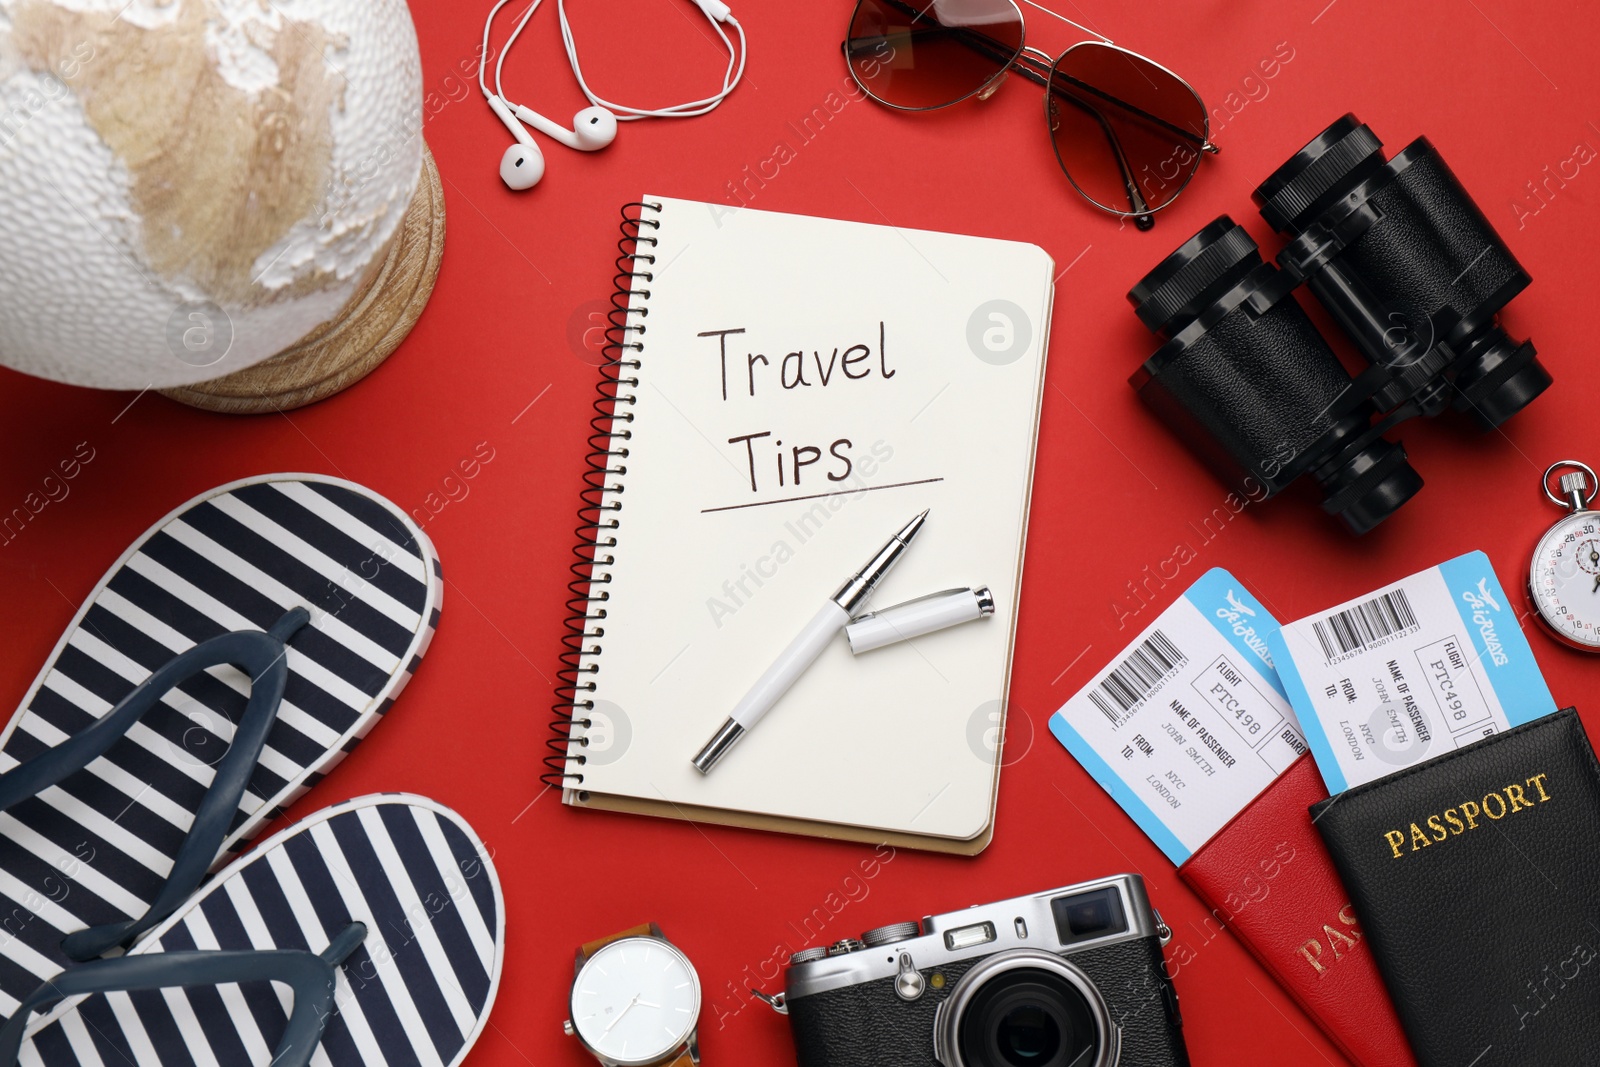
{"x": 598, "y": 523}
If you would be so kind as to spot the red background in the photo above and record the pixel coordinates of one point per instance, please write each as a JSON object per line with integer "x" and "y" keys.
{"x": 1504, "y": 89}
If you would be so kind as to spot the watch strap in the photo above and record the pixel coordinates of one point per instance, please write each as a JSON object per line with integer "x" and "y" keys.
{"x": 643, "y": 930}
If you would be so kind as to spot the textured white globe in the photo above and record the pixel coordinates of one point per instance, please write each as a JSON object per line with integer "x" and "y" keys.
{"x": 192, "y": 186}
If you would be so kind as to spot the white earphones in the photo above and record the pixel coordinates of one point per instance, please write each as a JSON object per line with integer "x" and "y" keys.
{"x": 523, "y": 163}
{"x": 596, "y": 126}
{"x": 592, "y": 128}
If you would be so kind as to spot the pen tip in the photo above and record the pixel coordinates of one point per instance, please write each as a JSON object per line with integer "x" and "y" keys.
{"x": 913, "y": 526}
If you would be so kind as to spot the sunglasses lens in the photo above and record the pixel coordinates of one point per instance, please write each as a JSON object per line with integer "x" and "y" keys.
{"x": 921, "y": 54}
{"x": 1127, "y": 133}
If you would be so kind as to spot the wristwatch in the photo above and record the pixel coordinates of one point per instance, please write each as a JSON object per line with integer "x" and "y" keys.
{"x": 636, "y": 1001}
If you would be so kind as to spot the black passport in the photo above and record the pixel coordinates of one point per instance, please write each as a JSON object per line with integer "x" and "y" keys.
{"x": 1476, "y": 877}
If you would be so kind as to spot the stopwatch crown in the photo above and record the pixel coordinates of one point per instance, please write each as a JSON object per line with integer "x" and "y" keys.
{"x": 1576, "y": 486}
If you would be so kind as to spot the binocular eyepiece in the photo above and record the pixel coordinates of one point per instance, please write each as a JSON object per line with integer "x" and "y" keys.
{"x": 1403, "y": 261}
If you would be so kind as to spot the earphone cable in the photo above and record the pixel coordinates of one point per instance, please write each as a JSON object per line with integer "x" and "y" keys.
{"x": 483, "y": 52}
{"x": 689, "y": 109}
{"x": 624, "y": 113}
{"x": 516, "y": 31}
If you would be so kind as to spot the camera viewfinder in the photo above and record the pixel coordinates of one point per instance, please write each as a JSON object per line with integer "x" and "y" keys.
{"x": 1083, "y": 916}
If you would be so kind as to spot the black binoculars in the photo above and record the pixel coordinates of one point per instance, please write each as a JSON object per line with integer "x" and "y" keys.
{"x": 1402, "y": 259}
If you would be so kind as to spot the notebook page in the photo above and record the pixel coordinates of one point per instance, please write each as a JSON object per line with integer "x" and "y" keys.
{"x": 806, "y": 387}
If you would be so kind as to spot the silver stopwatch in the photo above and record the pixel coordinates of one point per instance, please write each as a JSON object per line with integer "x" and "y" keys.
{"x": 1564, "y": 578}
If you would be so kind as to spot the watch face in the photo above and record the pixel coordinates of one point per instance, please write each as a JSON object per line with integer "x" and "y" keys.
{"x": 1565, "y": 579}
{"x": 635, "y": 1000}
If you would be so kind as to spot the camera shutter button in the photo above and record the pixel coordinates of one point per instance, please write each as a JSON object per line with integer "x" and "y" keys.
{"x": 888, "y": 935}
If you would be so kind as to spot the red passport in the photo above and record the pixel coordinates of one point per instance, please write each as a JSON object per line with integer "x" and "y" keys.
{"x": 1268, "y": 878}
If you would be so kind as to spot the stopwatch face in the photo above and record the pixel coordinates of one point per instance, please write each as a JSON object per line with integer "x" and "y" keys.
{"x": 1565, "y": 579}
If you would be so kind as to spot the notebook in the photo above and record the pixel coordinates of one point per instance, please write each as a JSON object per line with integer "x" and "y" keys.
{"x": 788, "y": 392}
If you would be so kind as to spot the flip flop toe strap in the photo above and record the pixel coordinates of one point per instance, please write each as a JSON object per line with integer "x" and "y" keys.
{"x": 260, "y": 655}
{"x": 310, "y": 975}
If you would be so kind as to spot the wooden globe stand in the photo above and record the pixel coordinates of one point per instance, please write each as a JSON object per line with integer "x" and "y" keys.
{"x": 349, "y": 346}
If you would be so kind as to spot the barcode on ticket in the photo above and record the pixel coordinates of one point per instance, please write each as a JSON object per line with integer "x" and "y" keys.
{"x": 1152, "y": 661}
{"x": 1355, "y": 628}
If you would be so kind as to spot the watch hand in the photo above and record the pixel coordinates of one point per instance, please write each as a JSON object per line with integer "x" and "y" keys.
{"x": 647, "y": 1004}
{"x": 1596, "y": 588}
{"x": 620, "y": 1014}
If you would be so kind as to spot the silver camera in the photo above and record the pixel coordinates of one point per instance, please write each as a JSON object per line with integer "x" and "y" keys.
{"x": 1073, "y": 977}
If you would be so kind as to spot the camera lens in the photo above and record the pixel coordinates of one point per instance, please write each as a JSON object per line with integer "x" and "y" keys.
{"x": 1026, "y": 1008}
{"x": 1028, "y": 1018}
{"x": 1028, "y": 1034}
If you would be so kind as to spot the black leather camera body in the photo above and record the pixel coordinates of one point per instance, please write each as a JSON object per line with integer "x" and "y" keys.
{"x": 1072, "y": 977}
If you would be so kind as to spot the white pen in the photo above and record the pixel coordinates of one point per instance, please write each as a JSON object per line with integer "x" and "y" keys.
{"x": 805, "y": 648}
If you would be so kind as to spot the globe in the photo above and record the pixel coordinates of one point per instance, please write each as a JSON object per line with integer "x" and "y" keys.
{"x": 193, "y": 186}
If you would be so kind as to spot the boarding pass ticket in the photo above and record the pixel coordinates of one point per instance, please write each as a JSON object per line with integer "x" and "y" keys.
{"x": 1189, "y": 724}
{"x": 1416, "y": 669}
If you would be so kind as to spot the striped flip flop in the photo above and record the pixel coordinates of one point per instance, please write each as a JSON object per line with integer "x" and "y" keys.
{"x": 96, "y": 847}
{"x": 381, "y": 920}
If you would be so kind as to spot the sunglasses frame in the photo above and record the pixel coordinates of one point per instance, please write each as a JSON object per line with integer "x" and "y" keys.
{"x": 1025, "y": 62}
{"x": 983, "y": 91}
{"x": 1135, "y": 196}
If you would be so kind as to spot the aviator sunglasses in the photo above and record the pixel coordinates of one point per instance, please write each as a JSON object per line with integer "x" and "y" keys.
{"x": 1127, "y": 131}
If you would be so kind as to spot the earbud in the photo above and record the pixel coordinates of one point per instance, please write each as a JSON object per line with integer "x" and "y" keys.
{"x": 592, "y": 128}
{"x": 523, "y": 164}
